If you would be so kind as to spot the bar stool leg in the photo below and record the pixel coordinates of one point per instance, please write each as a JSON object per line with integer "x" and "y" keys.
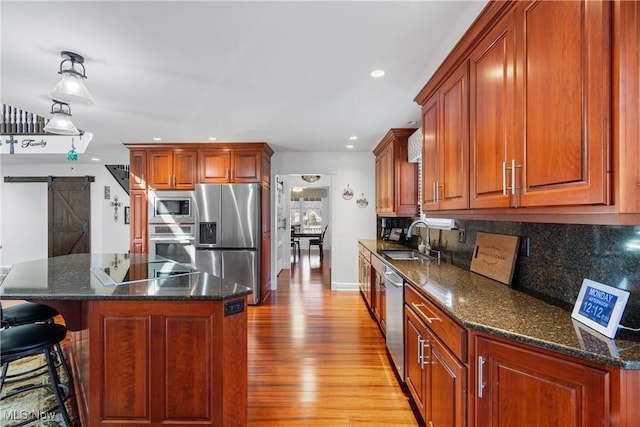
{"x": 56, "y": 385}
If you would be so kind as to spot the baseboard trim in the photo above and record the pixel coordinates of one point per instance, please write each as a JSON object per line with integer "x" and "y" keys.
{"x": 337, "y": 286}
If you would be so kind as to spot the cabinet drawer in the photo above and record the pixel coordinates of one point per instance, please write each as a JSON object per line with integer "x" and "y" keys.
{"x": 364, "y": 252}
{"x": 446, "y": 329}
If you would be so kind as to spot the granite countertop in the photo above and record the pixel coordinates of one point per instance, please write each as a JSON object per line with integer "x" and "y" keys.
{"x": 484, "y": 305}
{"x": 114, "y": 277}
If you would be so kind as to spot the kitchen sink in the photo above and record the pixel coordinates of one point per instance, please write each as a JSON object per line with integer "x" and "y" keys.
{"x": 405, "y": 255}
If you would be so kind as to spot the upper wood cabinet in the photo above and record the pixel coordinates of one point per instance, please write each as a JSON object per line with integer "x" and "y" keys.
{"x": 214, "y": 166}
{"x": 396, "y": 178}
{"x": 247, "y": 166}
{"x": 626, "y": 101}
{"x": 491, "y": 111}
{"x": 171, "y": 169}
{"x": 554, "y": 115}
{"x": 563, "y": 85}
{"x": 181, "y": 166}
{"x": 137, "y": 169}
{"x": 228, "y": 165}
{"x": 539, "y": 138}
{"x": 445, "y": 150}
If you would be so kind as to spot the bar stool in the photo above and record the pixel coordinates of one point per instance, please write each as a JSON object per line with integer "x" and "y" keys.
{"x": 26, "y": 313}
{"x": 28, "y": 340}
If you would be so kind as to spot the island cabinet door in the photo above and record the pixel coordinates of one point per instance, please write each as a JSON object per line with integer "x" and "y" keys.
{"x": 522, "y": 386}
{"x": 157, "y": 363}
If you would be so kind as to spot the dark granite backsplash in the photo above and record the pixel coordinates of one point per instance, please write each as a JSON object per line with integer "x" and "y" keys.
{"x": 560, "y": 257}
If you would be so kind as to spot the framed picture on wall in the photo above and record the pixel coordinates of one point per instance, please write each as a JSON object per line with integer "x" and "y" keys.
{"x": 126, "y": 215}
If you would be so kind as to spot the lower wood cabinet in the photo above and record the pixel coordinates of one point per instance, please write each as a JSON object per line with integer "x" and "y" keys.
{"x": 517, "y": 386}
{"x": 378, "y": 292}
{"x": 364, "y": 273}
{"x": 436, "y": 379}
{"x": 157, "y": 363}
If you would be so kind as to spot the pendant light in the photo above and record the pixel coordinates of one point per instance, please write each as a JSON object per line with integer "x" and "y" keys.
{"x": 60, "y": 122}
{"x": 71, "y": 89}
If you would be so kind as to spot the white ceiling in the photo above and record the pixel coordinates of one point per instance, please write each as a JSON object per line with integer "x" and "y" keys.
{"x": 294, "y": 74}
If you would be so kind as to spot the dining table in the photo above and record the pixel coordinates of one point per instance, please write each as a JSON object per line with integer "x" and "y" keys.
{"x": 298, "y": 235}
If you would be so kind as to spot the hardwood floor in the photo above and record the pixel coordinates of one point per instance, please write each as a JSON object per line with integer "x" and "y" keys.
{"x": 316, "y": 358}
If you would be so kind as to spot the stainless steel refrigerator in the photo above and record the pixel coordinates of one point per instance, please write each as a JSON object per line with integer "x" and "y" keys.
{"x": 228, "y": 233}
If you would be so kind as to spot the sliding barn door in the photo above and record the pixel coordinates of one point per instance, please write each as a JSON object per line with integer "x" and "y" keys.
{"x": 69, "y": 215}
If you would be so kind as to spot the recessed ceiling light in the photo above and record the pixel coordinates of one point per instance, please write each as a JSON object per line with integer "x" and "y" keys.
{"x": 95, "y": 159}
{"x": 350, "y": 146}
{"x": 377, "y": 73}
{"x": 412, "y": 122}
{"x": 353, "y": 138}
{"x": 212, "y": 138}
{"x": 157, "y": 138}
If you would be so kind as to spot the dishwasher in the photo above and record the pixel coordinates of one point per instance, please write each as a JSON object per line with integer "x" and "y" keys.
{"x": 394, "y": 330}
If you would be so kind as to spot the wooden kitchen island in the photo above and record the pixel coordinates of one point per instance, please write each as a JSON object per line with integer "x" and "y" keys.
{"x": 154, "y": 342}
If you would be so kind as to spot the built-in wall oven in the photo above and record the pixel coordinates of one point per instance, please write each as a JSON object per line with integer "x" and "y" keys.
{"x": 171, "y": 207}
{"x": 173, "y": 241}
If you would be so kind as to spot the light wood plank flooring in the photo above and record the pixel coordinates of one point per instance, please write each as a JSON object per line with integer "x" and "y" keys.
{"x": 316, "y": 358}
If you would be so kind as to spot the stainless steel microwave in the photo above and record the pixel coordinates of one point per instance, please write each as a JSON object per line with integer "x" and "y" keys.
{"x": 171, "y": 207}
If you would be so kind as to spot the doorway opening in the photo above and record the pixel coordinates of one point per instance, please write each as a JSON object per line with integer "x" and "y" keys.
{"x": 303, "y": 223}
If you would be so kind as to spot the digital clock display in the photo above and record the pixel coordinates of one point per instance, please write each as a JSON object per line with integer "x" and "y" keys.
{"x": 598, "y": 305}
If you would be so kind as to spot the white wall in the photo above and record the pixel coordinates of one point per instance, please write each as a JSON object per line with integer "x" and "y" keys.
{"x": 23, "y": 212}
{"x": 348, "y": 221}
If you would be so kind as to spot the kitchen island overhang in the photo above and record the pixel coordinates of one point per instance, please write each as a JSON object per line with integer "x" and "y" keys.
{"x": 162, "y": 345}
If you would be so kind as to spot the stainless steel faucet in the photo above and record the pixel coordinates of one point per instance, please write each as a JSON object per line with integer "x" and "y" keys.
{"x": 423, "y": 222}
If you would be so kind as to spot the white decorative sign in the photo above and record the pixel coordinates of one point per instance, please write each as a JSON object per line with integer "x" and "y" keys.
{"x": 43, "y": 144}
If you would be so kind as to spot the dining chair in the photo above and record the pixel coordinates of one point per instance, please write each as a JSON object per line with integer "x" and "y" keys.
{"x": 295, "y": 243}
{"x": 318, "y": 242}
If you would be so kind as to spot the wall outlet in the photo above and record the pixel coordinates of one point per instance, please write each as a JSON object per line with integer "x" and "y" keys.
{"x": 462, "y": 235}
{"x": 525, "y": 246}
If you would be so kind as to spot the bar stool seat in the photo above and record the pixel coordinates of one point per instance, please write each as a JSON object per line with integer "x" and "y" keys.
{"x": 24, "y": 314}
{"x": 28, "y": 340}
{"x": 28, "y": 312}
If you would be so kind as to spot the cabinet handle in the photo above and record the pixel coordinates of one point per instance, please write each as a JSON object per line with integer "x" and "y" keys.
{"x": 425, "y": 357}
{"x": 504, "y": 178}
{"x": 514, "y": 166}
{"x": 435, "y": 192}
{"x": 480, "y": 379}
{"x": 513, "y": 177}
{"x": 427, "y": 318}
{"x": 421, "y": 351}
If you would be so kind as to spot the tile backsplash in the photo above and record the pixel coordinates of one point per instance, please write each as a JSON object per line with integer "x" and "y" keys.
{"x": 560, "y": 257}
